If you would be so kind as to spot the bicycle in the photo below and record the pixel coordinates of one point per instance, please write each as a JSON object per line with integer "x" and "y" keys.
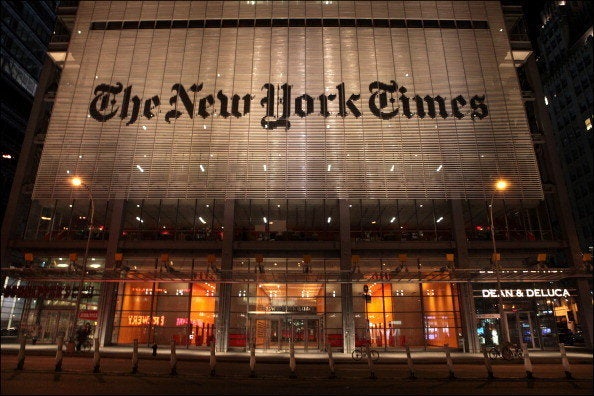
{"x": 86, "y": 345}
{"x": 361, "y": 352}
{"x": 507, "y": 351}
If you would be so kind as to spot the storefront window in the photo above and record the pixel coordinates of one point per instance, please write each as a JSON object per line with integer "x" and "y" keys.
{"x": 441, "y": 314}
{"x": 161, "y": 312}
{"x": 538, "y": 315}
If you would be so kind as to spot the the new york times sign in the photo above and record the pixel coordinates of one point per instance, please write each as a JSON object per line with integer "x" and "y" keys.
{"x": 332, "y": 111}
{"x": 387, "y": 100}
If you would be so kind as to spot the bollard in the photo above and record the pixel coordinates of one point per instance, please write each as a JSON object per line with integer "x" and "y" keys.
{"x": 59, "y": 354}
{"x": 449, "y": 361}
{"x": 409, "y": 361}
{"x": 96, "y": 356}
{"x": 253, "y": 361}
{"x": 21, "y": 357}
{"x": 331, "y": 361}
{"x": 527, "y": 362}
{"x": 173, "y": 360}
{"x": 135, "y": 357}
{"x": 488, "y": 364}
{"x": 370, "y": 362}
{"x": 213, "y": 359}
{"x": 565, "y": 362}
{"x": 154, "y": 350}
{"x": 292, "y": 363}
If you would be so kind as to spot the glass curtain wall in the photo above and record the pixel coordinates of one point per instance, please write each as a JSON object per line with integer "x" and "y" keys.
{"x": 400, "y": 220}
{"x": 67, "y": 220}
{"x": 158, "y": 312}
{"x": 413, "y": 314}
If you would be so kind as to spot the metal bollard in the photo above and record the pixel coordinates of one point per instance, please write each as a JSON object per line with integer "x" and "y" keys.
{"x": 59, "y": 354}
{"x": 213, "y": 359}
{"x": 173, "y": 360}
{"x": 253, "y": 361}
{"x": 449, "y": 361}
{"x": 292, "y": 363}
{"x": 21, "y": 357}
{"x": 488, "y": 365}
{"x": 565, "y": 362}
{"x": 330, "y": 361}
{"x": 409, "y": 361}
{"x": 527, "y": 362}
{"x": 135, "y": 357}
{"x": 96, "y": 356}
{"x": 370, "y": 362}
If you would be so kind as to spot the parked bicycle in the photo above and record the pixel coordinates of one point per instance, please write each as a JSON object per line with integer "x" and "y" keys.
{"x": 360, "y": 352}
{"x": 87, "y": 345}
{"x": 507, "y": 351}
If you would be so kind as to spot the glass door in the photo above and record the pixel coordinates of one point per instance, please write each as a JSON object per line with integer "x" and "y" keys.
{"x": 54, "y": 323}
{"x": 305, "y": 332}
{"x": 521, "y": 329}
{"x": 275, "y": 332}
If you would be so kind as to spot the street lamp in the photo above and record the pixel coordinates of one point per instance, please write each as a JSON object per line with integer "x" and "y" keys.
{"x": 77, "y": 182}
{"x": 500, "y": 185}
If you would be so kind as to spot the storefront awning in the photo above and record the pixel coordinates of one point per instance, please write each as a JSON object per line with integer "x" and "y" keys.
{"x": 456, "y": 276}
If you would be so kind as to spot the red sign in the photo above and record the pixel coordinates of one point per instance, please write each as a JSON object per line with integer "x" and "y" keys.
{"x": 89, "y": 314}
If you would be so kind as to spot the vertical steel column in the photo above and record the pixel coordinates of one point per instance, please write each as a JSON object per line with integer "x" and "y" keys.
{"x": 226, "y": 273}
{"x": 107, "y": 298}
{"x": 467, "y": 308}
{"x": 346, "y": 287}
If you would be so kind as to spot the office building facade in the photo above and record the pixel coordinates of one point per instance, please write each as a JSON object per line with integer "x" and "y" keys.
{"x": 26, "y": 30}
{"x": 264, "y": 174}
{"x": 565, "y": 41}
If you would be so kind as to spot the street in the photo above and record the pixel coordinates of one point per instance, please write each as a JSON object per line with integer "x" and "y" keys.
{"x": 233, "y": 378}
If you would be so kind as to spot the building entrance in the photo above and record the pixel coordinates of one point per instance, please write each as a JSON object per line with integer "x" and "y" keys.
{"x": 52, "y": 324}
{"x": 275, "y": 332}
{"x": 521, "y": 328}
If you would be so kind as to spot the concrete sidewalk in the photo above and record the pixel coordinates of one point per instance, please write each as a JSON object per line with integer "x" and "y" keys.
{"x": 437, "y": 355}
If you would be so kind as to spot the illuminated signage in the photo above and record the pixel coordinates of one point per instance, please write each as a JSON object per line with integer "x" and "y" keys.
{"x": 89, "y": 314}
{"x": 47, "y": 292}
{"x": 490, "y": 293}
{"x": 289, "y": 308}
{"x": 144, "y": 320}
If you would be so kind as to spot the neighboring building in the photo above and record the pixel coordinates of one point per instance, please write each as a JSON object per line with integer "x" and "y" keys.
{"x": 565, "y": 41}
{"x": 26, "y": 30}
{"x": 263, "y": 172}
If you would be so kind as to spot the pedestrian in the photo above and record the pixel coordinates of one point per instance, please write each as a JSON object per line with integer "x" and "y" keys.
{"x": 82, "y": 335}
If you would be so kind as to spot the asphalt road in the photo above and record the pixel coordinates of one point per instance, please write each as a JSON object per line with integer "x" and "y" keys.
{"x": 38, "y": 377}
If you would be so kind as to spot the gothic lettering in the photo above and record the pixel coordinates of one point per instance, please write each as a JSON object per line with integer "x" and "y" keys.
{"x": 103, "y": 93}
{"x": 135, "y": 106}
{"x": 387, "y": 100}
{"x": 455, "y": 108}
{"x": 309, "y": 105}
{"x": 476, "y": 103}
{"x": 379, "y": 91}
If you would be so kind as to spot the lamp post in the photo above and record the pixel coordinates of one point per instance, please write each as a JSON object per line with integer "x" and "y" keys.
{"x": 77, "y": 182}
{"x": 500, "y": 185}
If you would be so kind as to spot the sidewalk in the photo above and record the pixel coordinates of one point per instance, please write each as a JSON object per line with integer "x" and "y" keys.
{"x": 575, "y": 355}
